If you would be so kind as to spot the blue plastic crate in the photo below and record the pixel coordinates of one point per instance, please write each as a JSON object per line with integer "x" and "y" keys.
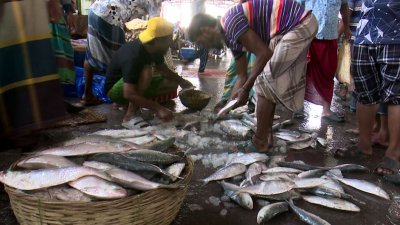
{"x": 188, "y": 53}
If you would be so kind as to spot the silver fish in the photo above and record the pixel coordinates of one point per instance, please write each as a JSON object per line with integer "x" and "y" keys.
{"x": 249, "y": 158}
{"x": 98, "y": 165}
{"x": 94, "y": 138}
{"x": 351, "y": 168}
{"x": 298, "y": 165}
{"x": 292, "y": 194}
{"x": 243, "y": 199}
{"x": 365, "y": 186}
{"x": 254, "y": 170}
{"x": 123, "y": 133}
{"x": 312, "y": 173}
{"x": 277, "y": 176}
{"x": 322, "y": 141}
{"x": 229, "y": 171}
{"x": 331, "y": 193}
{"x": 99, "y": 188}
{"x": 286, "y": 132}
{"x": 234, "y": 128}
{"x": 302, "y": 145}
{"x": 151, "y": 156}
{"x": 307, "y": 217}
{"x": 332, "y": 184}
{"x": 141, "y": 140}
{"x": 175, "y": 170}
{"x": 65, "y": 193}
{"x": 278, "y": 126}
{"x": 282, "y": 170}
{"x": 268, "y": 188}
{"x": 228, "y": 107}
{"x": 132, "y": 180}
{"x": 37, "y": 179}
{"x": 268, "y": 212}
{"x": 162, "y": 145}
{"x": 45, "y": 162}
{"x": 332, "y": 203}
{"x": 309, "y": 182}
{"x": 85, "y": 149}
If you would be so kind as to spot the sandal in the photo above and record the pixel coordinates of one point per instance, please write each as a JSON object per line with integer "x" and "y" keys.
{"x": 334, "y": 117}
{"x": 388, "y": 164}
{"x": 135, "y": 123}
{"x": 248, "y": 147}
{"x": 350, "y": 152}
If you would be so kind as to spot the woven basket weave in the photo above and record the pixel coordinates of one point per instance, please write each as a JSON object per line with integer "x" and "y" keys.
{"x": 149, "y": 208}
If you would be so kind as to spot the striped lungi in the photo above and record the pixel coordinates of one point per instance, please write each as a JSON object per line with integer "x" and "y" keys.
{"x": 103, "y": 40}
{"x": 284, "y": 77}
{"x": 30, "y": 90}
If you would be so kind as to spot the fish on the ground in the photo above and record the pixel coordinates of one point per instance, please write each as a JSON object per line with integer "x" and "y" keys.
{"x": 85, "y": 149}
{"x": 162, "y": 145}
{"x": 123, "y": 133}
{"x": 175, "y": 170}
{"x": 45, "y": 162}
{"x": 351, "y": 168}
{"x": 268, "y": 188}
{"x": 249, "y": 158}
{"x": 254, "y": 169}
{"x": 98, "y": 188}
{"x": 364, "y": 186}
{"x": 152, "y": 156}
{"x": 43, "y": 178}
{"x": 305, "y": 183}
{"x": 292, "y": 194}
{"x": 234, "y": 128}
{"x": 307, "y": 217}
{"x": 243, "y": 199}
{"x": 332, "y": 203}
{"x": 281, "y": 170}
{"x": 298, "y": 165}
{"x": 269, "y": 211}
{"x": 312, "y": 173}
{"x": 229, "y": 171}
{"x": 303, "y": 145}
{"x": 127, "y": 163}
{"x": 142, "y": 140}
{"x": 277, "y": 176}
{"x": 322, "y": 141}
{"x": 332, "y": 184}
{"x": 95, "y": 138}
{"x": 228, "y": 107}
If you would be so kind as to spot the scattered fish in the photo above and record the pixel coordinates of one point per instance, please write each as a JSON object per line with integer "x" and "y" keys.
{"x": 303, "y": 145}
{"x": 99, "y": 188}
{"x": 243, "y": 199}
{"x": 303, "y": 138}
{"x": 282, "y": 170}
{"x": 268, "y": 188}
{"x": 365, "y": 186}
{"x": 37, "y": 179}
{"x": 309, "y": 182}
{"x": 141, "y": 140}
{"x": 162, "y": 145}
{"x": 277, "y": 176}
{"x": 253, "y": 170}
{"x": 94, "y": 138}
{"x": 292, "y": 194}
{"x": 249, "y": 158}
{"x": 234, "y": 128}
{"x": 151, "y": 156}
{"x": 45, "y": 162}
{"x": 331, "y": 193}
{"x": 268, "y": 212}
{"x": 85, "y": 149}
{"x": 228, "y": 107}
{"x": 322, "y": 141}
{"x": 332, "y": 203}
{"x": 175, "y": 170}
{"x": 123, "y": 133}
{"x": 351, "y": 168}
{"x": 312, "y": 173}
{"x": 307, "y": 217}
{"x": 298, "y": 165}
{"x": 332, "y": 184}
{"x": 229, "y": 171}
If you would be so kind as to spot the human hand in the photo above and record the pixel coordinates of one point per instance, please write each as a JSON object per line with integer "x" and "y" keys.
{"x": 165, "y": 114}
{"x": 347, "y": 34}
{"x": 242, "y": 96}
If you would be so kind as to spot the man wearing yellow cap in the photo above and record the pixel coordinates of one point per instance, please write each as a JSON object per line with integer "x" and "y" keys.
{"x": 129, "y": 75}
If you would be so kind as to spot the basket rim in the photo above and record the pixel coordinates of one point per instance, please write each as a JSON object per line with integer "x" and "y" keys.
{"x": 186, "y": 180}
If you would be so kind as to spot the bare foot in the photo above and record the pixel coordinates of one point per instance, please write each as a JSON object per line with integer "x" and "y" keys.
{"x": 262, "y": 146}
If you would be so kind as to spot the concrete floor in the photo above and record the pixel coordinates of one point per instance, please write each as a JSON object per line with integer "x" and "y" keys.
{"x": 374, "y": 212}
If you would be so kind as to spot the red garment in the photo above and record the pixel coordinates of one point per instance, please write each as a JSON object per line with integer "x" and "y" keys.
{"x": 321, "y": 70}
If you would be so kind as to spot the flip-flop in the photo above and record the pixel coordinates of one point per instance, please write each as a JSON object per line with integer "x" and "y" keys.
{"x": 334, "y": 117}
{"x": 136, "y": 123}
{"x": 351, "y": 152}
{"x": 388, "y": 164}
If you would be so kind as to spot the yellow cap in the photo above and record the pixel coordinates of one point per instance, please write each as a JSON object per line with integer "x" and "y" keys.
{"x": 156, "y": 27}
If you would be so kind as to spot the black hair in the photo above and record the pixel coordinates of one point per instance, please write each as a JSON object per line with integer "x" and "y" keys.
{"x": 199, "y": 21}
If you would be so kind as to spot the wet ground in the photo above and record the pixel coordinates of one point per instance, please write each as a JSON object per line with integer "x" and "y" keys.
{"x": 199, "y": 207}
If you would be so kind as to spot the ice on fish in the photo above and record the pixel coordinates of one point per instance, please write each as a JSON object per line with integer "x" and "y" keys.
{"x": 234, "y": 128}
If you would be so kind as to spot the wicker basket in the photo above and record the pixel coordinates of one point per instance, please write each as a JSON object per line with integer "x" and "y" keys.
{"x": 152, "y": 207}
{"x": 194, "y": 99}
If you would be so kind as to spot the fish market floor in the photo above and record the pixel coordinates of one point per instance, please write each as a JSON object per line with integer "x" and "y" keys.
{"x": 202, "y": 205}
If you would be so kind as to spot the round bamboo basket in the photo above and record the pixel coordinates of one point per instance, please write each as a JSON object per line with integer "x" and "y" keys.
{"x": 152, "y": 207}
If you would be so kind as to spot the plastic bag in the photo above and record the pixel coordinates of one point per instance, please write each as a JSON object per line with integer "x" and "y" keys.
{"x": 97, "y": 86}
{"x": 344, "y": 61}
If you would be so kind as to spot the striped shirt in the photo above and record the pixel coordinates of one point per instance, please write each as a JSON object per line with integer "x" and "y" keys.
{"x": 355, "y": 6}
{"x": 267, "y": 18}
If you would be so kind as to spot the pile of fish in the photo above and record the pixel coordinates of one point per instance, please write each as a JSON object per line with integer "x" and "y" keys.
{"x": 104, "y": 165}
{"x": 253, "y": 176}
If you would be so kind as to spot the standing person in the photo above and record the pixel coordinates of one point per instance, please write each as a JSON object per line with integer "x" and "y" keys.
{"x": 106, "y": 19}
{"x": 376, "y": 73}
{"x": 61, "y": 42}
{"x": 199, "y": 6}
{"x": 279, "y": 33}
{"x": 323, "y": 58}
{"x": 30, "y": 90}
{"x": 129, "y": 76}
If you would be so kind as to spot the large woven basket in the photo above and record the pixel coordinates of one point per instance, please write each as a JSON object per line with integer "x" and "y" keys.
{"x": 194, "y": 99}
{"x": 149, "y": 208}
